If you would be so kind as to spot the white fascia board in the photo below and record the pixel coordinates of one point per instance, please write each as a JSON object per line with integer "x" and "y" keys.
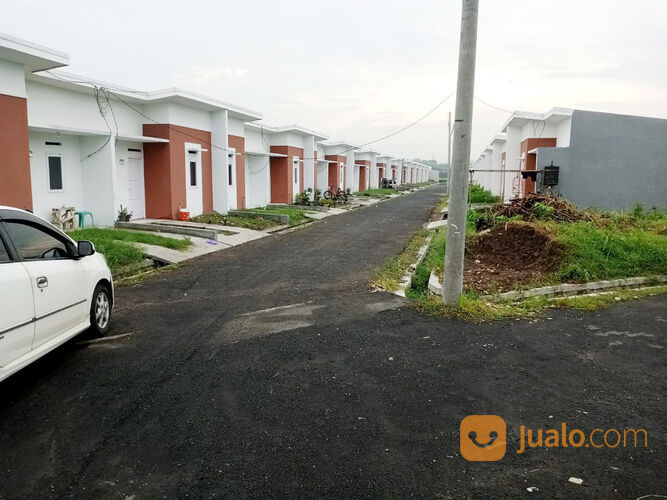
{"x": 554, "y": 115}
{"x": 519, "y": 118}
{"x": 33, "y": 57}
{"x": 340, "y": 143}
{"x": 368, "y": 151}
{"x": 302, "y": 131}
{"x": 557, "y": 115}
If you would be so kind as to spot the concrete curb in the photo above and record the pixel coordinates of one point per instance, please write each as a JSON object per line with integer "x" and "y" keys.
{"x": 435, "y": 287}
{"x": 407, "y": 277}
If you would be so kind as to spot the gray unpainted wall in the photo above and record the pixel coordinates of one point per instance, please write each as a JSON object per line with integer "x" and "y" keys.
{"x": 613, "y": 161}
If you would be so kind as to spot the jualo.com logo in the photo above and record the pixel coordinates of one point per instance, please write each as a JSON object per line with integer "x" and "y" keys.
{"x": 483, "y": 438}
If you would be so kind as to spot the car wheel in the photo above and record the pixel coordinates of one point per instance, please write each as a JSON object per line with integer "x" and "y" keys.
{"x": 100, "y": 311}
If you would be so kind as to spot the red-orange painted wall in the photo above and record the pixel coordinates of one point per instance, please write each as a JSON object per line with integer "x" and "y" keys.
{"x": 282, "y": 176}
{"x": 363, "y": 173}
{"x": 334, "y": 170}
{"x": 381, "y": 172}
{"x": 527, "y": 145}
{"x": 164, "y": 170}
{"x": 15, "y": 181}
{"x": 238, "y": 143}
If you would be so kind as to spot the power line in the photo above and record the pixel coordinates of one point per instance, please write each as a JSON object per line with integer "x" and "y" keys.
{"x": 141, "y": 113}
{"x": 493, "y": 106}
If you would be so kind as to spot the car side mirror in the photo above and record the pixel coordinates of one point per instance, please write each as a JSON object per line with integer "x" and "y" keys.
{"x": 85, "y": 248}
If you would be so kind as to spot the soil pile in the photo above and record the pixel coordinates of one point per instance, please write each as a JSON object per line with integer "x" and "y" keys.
{"x": 510, "y": 254}
{"x": 561, "y": 210}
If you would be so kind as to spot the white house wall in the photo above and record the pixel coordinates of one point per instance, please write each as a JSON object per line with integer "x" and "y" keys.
{"x": 563, "y": 133}
{"x": 53, "y": 106}
{"x": 178, "y": 114}
{"x": 235, "y": 127}
{"x": 98, "y": 175}
{"x": 498, "y": 149}
{"x": 254, "y": 141}
{"x": 13, "y": 79}
{"x": 258, "y": 181}
{"x": 43, "y": 200}
{"x": 219, "y": 172}
{"x": 308, "y": 162}
{"x": 351, "y": 172}
{"x": 512, "y": 155}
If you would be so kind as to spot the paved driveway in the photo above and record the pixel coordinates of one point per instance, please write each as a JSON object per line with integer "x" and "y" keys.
{"x": 270, "y": 370}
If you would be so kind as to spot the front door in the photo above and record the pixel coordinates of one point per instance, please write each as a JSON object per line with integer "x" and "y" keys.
{"x": 231, "y": 180}
{"x": 296, "y": 172}
{"x": 17, "y": 327}
{"x": 342, "y": 176}
{"x": 135, "y": 188}
{"x": 59, "y": 283}
{"x": 194, "y": 193}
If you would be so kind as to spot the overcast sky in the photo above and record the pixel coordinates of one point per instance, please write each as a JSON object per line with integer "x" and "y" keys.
{"x": 360, "y": 69}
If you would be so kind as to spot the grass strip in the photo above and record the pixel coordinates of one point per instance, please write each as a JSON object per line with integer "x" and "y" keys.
{"x": 119, "y": 246}
{"x": 389, "y": 276}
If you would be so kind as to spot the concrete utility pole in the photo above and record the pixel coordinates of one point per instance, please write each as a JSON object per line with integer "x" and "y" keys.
{"x": 458, "y": 191}
{"x": 449, "y": 150}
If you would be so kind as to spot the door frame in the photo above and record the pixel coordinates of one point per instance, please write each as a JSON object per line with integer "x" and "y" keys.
{"x": 296, "y": 181}
{"x": 194, "y": 150}
{"x": 232, "y": 195}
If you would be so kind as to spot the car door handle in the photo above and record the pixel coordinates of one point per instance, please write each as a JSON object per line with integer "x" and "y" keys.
{"x": 42, "y": 282}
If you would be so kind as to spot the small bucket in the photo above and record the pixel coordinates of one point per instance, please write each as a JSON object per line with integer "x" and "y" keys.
{"x": 185, "y": 214}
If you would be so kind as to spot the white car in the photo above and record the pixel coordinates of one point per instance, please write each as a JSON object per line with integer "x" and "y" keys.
{"x": 51, "y": 289}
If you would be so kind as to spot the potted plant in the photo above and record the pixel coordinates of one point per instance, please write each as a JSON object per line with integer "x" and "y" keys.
{"x": 124, "y": 214}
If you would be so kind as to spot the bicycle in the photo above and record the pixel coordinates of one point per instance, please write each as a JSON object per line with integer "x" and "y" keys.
{"x": 337, "y": 196}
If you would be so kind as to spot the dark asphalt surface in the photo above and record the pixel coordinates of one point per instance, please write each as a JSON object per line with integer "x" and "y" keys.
{"x": 334, "y": 391}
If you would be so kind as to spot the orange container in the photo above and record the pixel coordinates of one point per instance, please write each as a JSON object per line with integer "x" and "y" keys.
{"x": 185, "y": 214}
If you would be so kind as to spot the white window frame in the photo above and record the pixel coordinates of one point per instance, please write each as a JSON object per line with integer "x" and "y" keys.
{"x": 48, "y": 173}
{"x": 199, "y": 167}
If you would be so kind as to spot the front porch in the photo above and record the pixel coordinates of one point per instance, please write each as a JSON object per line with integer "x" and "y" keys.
{"x": 87, "y": 170}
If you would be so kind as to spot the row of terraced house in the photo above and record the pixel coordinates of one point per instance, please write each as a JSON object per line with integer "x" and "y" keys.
{"x": 593, "y": 159}
{"x": 66, "y": 140}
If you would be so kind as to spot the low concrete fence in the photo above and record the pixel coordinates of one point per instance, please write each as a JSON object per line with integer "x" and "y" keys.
{"x": 199, "y": 232}
{"x": 249, "y": 214}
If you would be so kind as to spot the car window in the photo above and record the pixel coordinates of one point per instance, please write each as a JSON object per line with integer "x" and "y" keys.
{"x": 33, "y": 243}
{"x": 4, "y": 254}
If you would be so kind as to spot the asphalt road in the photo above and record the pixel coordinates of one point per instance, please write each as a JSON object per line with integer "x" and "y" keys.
{"x": 269, "y": 370}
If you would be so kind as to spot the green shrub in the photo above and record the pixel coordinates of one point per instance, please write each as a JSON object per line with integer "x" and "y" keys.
{"x": 543, "y": 211}
{"x": 477, "y": 194}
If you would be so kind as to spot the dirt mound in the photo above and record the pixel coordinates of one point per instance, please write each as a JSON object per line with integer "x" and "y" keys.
{"x": 509, "y": 254}
{"x": 557, "y": 209}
